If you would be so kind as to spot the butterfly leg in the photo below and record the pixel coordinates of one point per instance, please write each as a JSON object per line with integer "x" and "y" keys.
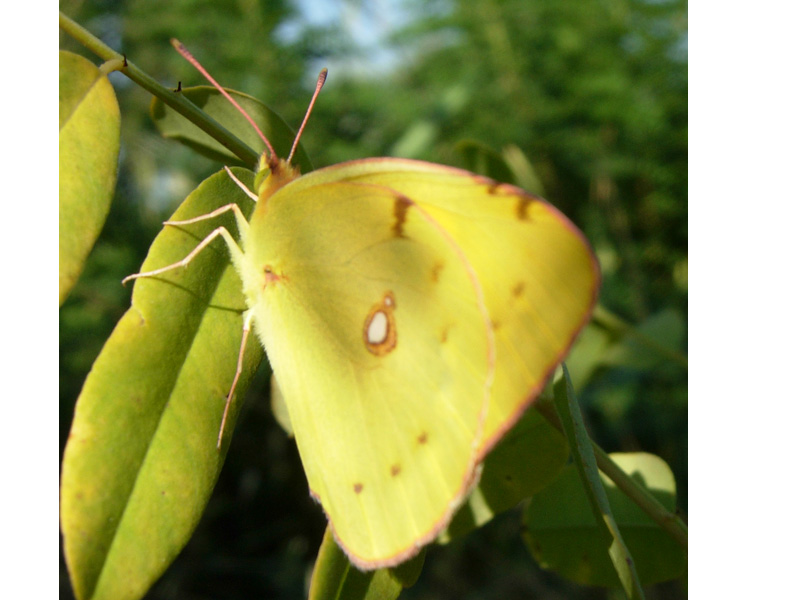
{"x": 236, "y": 255}
{"x": 242, "y": 186}
{"x": 241, "y": 221}
{"x": 248, "y": 320}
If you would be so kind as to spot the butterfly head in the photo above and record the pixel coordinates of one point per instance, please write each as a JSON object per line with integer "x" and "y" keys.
{"x": 273, "y": 173}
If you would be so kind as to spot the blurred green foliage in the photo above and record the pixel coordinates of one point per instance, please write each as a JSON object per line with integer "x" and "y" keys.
{"x": 595, "y": 96}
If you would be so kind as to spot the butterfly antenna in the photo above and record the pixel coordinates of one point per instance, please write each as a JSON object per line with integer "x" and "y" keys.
{"x": 320, "y": 82}
{"x": 188, "y": 56}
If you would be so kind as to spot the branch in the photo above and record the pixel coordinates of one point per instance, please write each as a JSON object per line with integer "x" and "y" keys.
{"x": 669, "y": 521}
{"x": 173, "y": 99}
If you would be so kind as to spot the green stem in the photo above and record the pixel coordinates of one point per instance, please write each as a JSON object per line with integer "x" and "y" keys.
{"x": 174, "y": 100}
{"x": 609, "y": 320}
{"x": 670, "y": 522}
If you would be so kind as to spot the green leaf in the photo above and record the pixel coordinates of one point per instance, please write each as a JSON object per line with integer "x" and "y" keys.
{"x": 174, "y": 126}
{"x": 480, "y": 158}
{"x": 527, "y": 459}
{"x": 586, "y": 356}
{"x": 583, "y": 455}
{"x": 512, "y": 166}
{"x": 524, "y": 172}
{"x": 88, "y": 147}
{"x": 610, "y": 342}
{"x": 644, "y": 347}
{"x": 564, "y": 536}
{"x": 141, "y": 459}
{"x": 334, "y": 578}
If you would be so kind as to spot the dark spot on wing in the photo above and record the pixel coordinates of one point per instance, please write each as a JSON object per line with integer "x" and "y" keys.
{"x": 523, "y": 203}
{"x": 436, "y": 271}
{"x": 401, "y": 204}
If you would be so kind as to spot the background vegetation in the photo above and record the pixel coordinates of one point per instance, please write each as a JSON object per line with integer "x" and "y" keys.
{"x": 594, "y": 94}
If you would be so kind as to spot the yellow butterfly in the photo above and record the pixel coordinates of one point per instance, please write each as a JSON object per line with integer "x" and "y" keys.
{"x": 411, "y": 312}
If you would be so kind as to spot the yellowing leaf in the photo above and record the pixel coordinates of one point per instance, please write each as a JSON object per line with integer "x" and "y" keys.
{"x": 88, "y": 146}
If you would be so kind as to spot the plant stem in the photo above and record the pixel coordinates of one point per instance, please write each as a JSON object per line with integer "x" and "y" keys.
{"x": 174, "y": 100}
{"x": 669, "y": 521}
{"x": 609, "y": 320}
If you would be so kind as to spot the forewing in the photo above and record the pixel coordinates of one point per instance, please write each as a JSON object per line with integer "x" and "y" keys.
{"x": 538, "y": 274}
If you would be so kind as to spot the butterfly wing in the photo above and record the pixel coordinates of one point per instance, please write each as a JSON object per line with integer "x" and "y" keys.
{"x": 380, "y": 345}
{"x": 538, "y": 275}
{"x": 410, "y": 313}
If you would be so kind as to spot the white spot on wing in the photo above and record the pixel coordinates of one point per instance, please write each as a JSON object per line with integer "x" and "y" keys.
{"x": 378, "y": 328}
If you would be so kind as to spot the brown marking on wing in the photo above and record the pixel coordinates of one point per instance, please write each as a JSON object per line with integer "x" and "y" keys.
{"x": 436, "y": 271}
{"x": 523, "y": 203}
{"x": 401, "y": 205}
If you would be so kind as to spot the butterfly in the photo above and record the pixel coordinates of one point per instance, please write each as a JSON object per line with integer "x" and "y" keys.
{"x": 411, "y": 312}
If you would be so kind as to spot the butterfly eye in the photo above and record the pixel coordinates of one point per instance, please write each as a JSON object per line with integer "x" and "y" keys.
{"x": 380, "y": 330}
